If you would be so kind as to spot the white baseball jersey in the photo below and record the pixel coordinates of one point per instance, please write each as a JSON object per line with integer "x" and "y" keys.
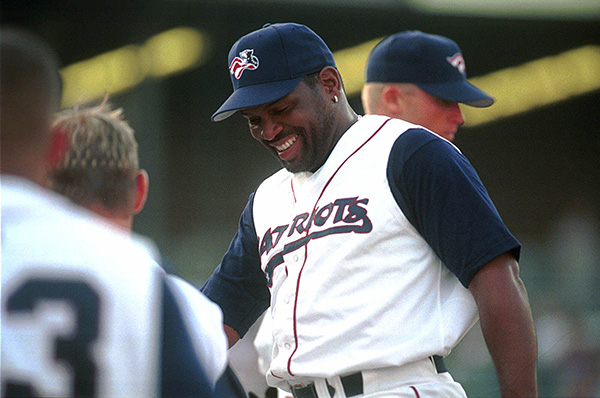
{"x": 86, "y": 311}
{"x": 367, "y": 259}
{"x": 244, "y": 360}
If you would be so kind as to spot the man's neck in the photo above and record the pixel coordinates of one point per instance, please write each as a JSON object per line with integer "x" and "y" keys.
{"x": 124, "y": 222}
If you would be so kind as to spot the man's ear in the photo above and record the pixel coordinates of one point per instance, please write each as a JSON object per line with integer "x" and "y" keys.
{"x": 330, "y": 78}
{"x": 142, "y": 183}
{"x": 392, "y": 100}
{"x": 57, "y": 148}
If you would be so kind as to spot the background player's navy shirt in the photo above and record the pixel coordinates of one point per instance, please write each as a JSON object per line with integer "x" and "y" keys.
{"x": 437, "y": 189}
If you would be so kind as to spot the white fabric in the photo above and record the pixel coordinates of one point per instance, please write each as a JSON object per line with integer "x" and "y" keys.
{"x": 411, "y": 380}
{"x": 349, "y": 301}
{"x": 47, "y": 242}
{"x": 205, "y": 321}
{"x": 246, "y": 361}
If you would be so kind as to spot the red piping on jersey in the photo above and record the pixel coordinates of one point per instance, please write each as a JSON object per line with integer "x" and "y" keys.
{"x": 415, "y": 390}
{"x": 293, "y": 192}
{"x": 274, "y": 375}
{"x": 306, "y": 246}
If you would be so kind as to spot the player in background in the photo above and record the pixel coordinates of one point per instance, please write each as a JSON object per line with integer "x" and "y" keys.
{"x": 420, "y": 78}
{"x": 99, "y": 168}
{"x": 86, "y": 310}
{"x": 376, "y": 247}
{"x": 100, "y": 171}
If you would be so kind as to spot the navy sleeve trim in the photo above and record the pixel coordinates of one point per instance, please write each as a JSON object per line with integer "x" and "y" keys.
{"x": 229, "y": 385}
{"x": 182, "y": 374}
{"x": 238, "y": 285}
{"x": 442, "y": 196}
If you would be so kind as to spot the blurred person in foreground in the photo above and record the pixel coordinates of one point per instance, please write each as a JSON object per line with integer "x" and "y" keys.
{"x": 100, "y": 171}
{"x": 86, "y": 310}
{"x": 420, "y": 78}
{"x": 376, "y": 246}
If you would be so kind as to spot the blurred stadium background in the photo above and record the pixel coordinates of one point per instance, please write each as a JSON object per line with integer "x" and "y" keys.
{"x": 537, "y": 149}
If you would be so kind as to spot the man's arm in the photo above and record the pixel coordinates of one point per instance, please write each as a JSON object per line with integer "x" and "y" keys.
{"x": 507, "y": 325}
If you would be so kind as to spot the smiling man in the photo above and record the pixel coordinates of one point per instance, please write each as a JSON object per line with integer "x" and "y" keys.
{"x": 302, "y": 147}
{"x": 376, "y": 247}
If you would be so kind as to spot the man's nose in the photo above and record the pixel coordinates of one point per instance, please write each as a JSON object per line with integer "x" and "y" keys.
{"x": 457, "y": 115}
{"x": 271, "y": 129}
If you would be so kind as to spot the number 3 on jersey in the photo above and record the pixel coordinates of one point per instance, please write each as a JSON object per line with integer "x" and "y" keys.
{"x": 74, "y": 349}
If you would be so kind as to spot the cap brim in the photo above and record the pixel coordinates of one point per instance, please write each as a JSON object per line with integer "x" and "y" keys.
{"x": 255, "y": 95}
{"x": 460, "y": 91}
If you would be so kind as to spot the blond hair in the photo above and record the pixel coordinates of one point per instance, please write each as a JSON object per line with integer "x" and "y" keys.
{"x": 100, "y": 163}
{"x": 372, "y": 95}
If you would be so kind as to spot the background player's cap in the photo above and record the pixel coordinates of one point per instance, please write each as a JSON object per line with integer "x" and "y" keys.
{"x": 267, "y": 64}
{"x": 434, "y": 63}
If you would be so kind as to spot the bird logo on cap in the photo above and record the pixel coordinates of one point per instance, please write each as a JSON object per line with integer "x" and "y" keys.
{"x": 245, "y": 60}
{"x": 458, "y": 62}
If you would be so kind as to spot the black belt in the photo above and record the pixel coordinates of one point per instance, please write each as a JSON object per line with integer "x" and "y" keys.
{"x": 353, "y": 383}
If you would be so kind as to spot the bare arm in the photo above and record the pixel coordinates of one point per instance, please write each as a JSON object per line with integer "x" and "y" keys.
{"x": 232, "y": 335}
{"x": 507, "y": 325}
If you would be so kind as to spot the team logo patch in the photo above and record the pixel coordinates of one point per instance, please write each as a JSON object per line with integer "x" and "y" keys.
{"x": 245, "y": 60}
{"x": 458, "y": 62}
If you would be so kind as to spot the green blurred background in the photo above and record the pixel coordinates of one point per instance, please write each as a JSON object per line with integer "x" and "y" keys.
{"x": 541, "y": 166}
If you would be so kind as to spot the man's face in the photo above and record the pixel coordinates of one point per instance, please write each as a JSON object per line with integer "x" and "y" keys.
{"x": 438, "y": 115}
{"x": 298, "y": 128}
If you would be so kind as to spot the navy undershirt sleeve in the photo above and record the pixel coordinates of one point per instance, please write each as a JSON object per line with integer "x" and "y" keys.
{"x": 442, "y": 196}
{"x": 238, "y": 285}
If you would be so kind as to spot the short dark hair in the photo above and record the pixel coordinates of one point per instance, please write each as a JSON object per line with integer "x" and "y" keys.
{"x": 311, "y": 79}
{"x": 28, "y": 60}
{"x": 30, "y": 84}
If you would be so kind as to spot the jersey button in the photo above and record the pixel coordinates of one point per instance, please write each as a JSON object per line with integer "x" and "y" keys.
{"x": 287, "y": 346}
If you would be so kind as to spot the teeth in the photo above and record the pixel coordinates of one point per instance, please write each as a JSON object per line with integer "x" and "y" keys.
{"x": 286, "y": 144}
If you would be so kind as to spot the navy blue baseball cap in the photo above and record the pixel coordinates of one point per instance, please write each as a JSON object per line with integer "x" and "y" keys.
{"x": 434, "y": 63}
{"x": 267, "y": 64}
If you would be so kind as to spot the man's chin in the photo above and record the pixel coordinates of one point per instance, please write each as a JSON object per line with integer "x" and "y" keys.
{"x": 294, "y": 167}
{"x": 291, "y": 167}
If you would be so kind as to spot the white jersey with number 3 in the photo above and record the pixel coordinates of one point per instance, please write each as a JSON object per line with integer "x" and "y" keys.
{"x": 82, "y": 305}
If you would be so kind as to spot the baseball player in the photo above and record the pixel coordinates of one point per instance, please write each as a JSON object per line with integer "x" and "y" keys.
{"x": 86, "y": 310}
{"x": 420, "y": 78}
{"x": 374, "y": 249}
{"x": 99, "y": 168}
{"x": 100, "y": 171}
